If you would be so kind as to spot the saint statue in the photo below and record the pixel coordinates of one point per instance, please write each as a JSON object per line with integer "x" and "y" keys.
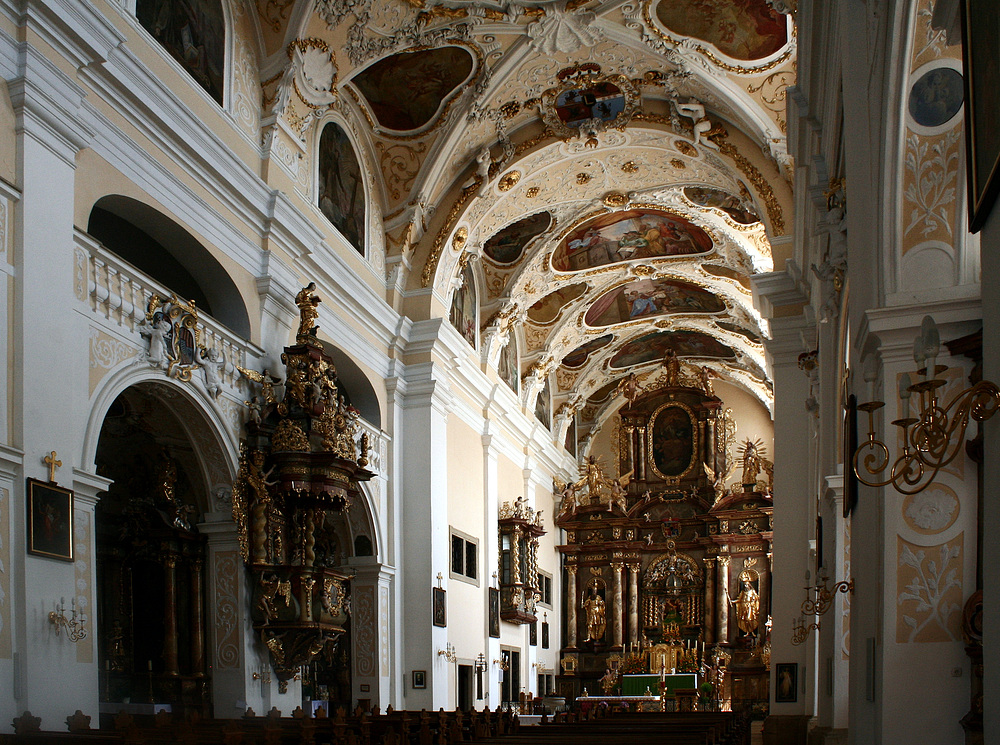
{"x": 751, "y": 463}
{"x": 673, "y": 367}
{"x": 594, "y": 605}
{"x": 747, "y": 605}
{"x": 308, "y": 314}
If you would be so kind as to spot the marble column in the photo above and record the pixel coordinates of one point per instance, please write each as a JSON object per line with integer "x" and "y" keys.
{"x": 170, "y": 622}
{"x": 722, "y": 625}
{"x": 709, "y": 599}
{"x": 198, "y": 618}
{"x": 616, "y": 610}
{"x": 571, "y": 607}
{"x": 633, "y": 603}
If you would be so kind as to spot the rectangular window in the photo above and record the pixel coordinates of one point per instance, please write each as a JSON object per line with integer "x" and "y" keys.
{"x": 545, "y": 588}
{"x": 464, "y": 557}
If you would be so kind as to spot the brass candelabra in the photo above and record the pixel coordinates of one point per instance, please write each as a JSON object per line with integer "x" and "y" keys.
{"x": 821, "y": 603}
{"x": 933, "y": 438}
{"x": 800, "y": 631}
{"x": 448, "y": 652}
{"x": 75, "y": 625}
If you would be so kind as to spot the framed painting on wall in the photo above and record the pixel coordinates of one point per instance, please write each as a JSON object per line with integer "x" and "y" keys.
{"x": 438, "y": 607}
{"x": 494, "y": 613}
{"x": 981, "y": 57}
{"x": 50, "y": 520}
{"x": 419, "y": 679}
{"x": 786, "y": 686}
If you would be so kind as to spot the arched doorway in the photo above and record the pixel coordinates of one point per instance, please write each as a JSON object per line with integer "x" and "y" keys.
{"x": 152, "y": 619}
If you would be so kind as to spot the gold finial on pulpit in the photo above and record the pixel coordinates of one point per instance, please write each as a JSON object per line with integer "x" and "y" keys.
{"x": 53, "y": 464}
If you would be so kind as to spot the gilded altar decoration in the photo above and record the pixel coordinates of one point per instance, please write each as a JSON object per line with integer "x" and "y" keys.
{"x": 520, "y": 528}
{"x": 299, "y": 469}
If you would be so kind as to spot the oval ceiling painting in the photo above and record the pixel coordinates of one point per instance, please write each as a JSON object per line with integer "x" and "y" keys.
{"x": 737, "y": 329}
{"x": 716, "y": 198}
{"x": 741, "y": 29}
{"x": 651, "y": 297}
{"x": 633, "y": 234}
{"x": 506, "y": 246}
{"x": 405, "y": 91}
{"x": 654, "y": 346}
{"x": 579, "y": 356}
{"x": 717, "y": 270}
{"x": 549, "y": 307}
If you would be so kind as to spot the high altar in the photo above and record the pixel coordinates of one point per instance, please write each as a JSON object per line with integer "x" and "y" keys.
{"x": 667, "y": 569}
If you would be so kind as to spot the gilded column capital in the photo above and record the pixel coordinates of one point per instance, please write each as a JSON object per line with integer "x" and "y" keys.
{"x": 709, "y": 560}
{"x": 617, "y": 566}
{"x": 571, "y": 569}
{"x": 724, "y": 562}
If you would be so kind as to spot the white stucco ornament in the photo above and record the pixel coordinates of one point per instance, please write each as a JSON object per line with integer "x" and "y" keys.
{"x": 315, "y": 72}
{"x": 561, "y": 30}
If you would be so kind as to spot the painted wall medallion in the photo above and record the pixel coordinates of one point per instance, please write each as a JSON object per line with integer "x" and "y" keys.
{"x": 507, "y": 245}
{"x": 735, "y": 207}
{"x": 650, "y": 347}
{"x": 740, "y": 29}
{"x": 549, "y": 307}
{"x": 194, "y": 33}
{"x": 936, "y": 97}
{"x": 341, "y": 188}
{"x": 579, "y": 356}
{"x": 463, "y": 307}
{"x": 406, "y": 91}
{"x": 651, "y": 297}
{"x": 628, "y": 235}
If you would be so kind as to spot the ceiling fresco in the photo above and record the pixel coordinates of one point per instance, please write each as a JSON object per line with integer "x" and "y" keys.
{"x": 740, "y": 29}
{"x": 506, "y": 246}
{"x": 624, "y": 236}
{"x": 654, "y": 346}
{"x": 614, "y": 166}
{"x": 549, "y": 307}
{"x": 406, "y": 90}
{"x": 645, "y": 298}
{"x": 579, "y": 356}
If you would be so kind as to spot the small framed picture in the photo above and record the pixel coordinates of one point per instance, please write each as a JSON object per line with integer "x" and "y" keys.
{"x": 419, "y": 678}
{"x": 438, "y": 608}
{"x": 533, "y": 633}
{"x": 50, "y": 520}
{"x": 786, "y": 682}
{"x": 545, "y": 635}
{"x": 494, "y": 613}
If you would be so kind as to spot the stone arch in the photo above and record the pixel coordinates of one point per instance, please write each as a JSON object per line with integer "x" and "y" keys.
{"x": 162, "y": 248}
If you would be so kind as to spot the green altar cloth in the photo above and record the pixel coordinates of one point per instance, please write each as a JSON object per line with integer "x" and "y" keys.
{"x": 635, "y": 685}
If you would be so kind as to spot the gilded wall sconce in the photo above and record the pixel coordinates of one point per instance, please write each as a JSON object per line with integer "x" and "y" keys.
{"x": 75, "y": 624}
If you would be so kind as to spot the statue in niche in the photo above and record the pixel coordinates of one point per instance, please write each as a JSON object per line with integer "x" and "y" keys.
{"x": 596, "y": 623}
{"x": 747, "y": 605}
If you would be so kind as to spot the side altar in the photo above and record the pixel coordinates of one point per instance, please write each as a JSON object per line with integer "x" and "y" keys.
{"x": 667, "y": 569}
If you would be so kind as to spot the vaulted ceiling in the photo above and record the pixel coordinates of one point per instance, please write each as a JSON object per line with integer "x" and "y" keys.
{"x": 596, "y": 181}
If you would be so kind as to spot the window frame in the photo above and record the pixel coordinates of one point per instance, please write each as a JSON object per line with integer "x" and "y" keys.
{"x": 467, "y": 540}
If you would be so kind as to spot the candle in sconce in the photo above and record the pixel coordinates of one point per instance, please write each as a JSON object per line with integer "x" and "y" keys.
{"x": 149, "y": 665}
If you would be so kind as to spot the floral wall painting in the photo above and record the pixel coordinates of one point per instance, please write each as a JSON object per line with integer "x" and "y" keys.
{"x": 341, "y": 189}
{"x": 644, "y": 298}
{"x": 579, "y": 356}
{"x": 463, "y": 307}
{"x": 650, "y": 347}
{"x": 735, "y": 207}
{"x": 929, "y": 591}
{"x": 628, "y": 235}
{"x": 194, "y": 33}
{"x": 406, "y": 90}
{"x": 740, "y": 29}
{"x": 936, "y": 97}
{"x": 931, "y": 511}
{"x": 507, "y": 245}
{"x": 548, "y": 308}
{"x": 507, "y": 366}
{"x": 543, "y": 406}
